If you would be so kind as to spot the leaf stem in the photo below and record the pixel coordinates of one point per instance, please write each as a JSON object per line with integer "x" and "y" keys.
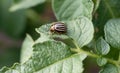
{"x": 79, "y": 50}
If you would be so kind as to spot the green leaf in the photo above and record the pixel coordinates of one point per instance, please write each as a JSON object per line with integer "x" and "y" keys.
{"x": 51, "y": 57}
{"x": 47, "y": 53}
{"x": 27, "y": 47}
{"x": 109, "y": 68}
{"x": 112, "y": 7}
{"x": 10, "y": 21}
{"x": 108, "y": 9}
{"x": 64, "y": 38}
{"x": 80, "y": 30}
{"x": 102, "y": 47}
{"x": 70, "y": 9}
{"x": 44, "y": 29}
{"x": 27, "y": 50}
{"x": 3, "y": 70}
{"x": 101, "y": 61}
{"x": 24, "y": 4}
{"x": 42, "y": 38}
{"x": 72, "y": 64}
{"x": 112, "y": 33}
{"x": 10, "y": 70}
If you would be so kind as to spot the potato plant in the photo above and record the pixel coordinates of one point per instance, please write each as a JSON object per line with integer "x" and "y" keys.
{"x": 92, "y": 30}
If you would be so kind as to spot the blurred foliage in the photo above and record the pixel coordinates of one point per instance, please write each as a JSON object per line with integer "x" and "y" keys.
{"x": 107, "y": 9}
{"x": 14, "y": 26}
{"x": 10, "y": 21}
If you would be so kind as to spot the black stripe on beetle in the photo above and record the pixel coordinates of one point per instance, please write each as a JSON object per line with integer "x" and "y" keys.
{"x": 58, "y": 27}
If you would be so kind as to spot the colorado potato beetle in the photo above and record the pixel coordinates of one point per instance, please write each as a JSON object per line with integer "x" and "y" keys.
{"x": 58, "y": 27}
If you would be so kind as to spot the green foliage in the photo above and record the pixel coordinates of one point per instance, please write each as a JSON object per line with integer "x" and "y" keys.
{"x": 24, "y": 4}
{"x": 51, "y": 56}
{"x": 26, "y": 51}
{"x": 96, "y": 5}
{"x": 109, "y": 68}
{"x": 102, "y": 47}
{"x": 65, "y": 52}
{"x": 107, "y": 10}
{"x": 112, "y": 34}
{"x": 101, "y": 61}
{"x": 80, "y": 28}
{"x": 9, "y": 21}
{"x": 70, "y": 9}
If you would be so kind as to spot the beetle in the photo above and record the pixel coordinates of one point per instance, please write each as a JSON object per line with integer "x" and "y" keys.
{"x": 58, "y": 27}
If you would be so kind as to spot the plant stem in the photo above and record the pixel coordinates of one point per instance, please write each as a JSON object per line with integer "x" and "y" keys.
{"x": 97, "y": 56}
{"x": 79, "y": 50}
